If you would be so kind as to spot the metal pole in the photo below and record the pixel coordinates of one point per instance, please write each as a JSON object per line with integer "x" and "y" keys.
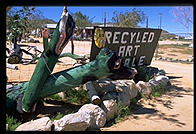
{"x": 160, "y": 19}
{"x": 105, "y": 19}
{"x": 147, "y": 22}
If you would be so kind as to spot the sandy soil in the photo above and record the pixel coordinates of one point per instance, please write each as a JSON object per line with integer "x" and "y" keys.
{"x": 24, "y": 72}
{"x": 173, "y": 111}
{"x": 174, "y": 42}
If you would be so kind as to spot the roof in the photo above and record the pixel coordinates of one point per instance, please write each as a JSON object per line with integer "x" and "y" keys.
{"x": 51, "y": 25}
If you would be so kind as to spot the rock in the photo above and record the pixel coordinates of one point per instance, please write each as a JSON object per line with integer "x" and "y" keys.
{"x": 110, "y": 107}
{"x": 91, "y": 91}
{"x": 161, "y": 72}
{"x": 73, "y": 122}
{"x": 166, "y": 58}
{"x": 154, "y": 83}
{"x": 126, "y": 90}
{"x": 170, "y": 59}
{"x": 162, "y": 79}
{"x": 144, "y": 88}
{"x": 88, "y": 116}
{"x": 42, "y": 124}
{"x": 104, "y": 85}
{"x": 98, "y": 116}
{"x": 175, "y": 60}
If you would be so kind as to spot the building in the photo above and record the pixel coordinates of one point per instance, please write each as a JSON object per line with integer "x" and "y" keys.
{"x": 78, "y": 33}
{"x": 51, "y": 28}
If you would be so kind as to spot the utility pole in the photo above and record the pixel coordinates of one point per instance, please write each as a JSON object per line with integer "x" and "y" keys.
{"x": 160, "y": 19}
{"x": 105, "y": 19}
{"x": 147, "y": 22}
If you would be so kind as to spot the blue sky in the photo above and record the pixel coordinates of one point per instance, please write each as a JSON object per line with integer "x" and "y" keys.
{"x": 97, "y": 13}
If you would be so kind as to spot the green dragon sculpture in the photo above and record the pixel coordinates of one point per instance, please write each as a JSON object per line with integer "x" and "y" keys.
{"x": 23, "y": 97}
{"x": 49, "y": 58}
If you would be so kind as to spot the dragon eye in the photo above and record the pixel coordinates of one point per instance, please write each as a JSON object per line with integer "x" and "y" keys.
{"x": 117, "y": 64}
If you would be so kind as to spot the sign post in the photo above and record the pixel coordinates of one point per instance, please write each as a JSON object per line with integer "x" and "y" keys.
{"x": 136, "y": 46}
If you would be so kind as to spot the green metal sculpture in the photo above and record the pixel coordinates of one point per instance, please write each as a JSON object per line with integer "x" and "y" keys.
{"x": 23, "y": 97}
{"x": 49, "y": 57}
{"x": 106, "y": 64}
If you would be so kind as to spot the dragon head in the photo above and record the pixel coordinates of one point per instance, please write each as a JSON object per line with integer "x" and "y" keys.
{"x": 65, "y": 31}
{"x": 115, "y": 64}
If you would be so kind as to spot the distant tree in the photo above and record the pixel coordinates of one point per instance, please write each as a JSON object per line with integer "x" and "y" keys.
{"x": 81, "y": 20}
{"x": 183, "y": 15}
{"x": 22, "y": 21}
{"x": 128, "y": 19}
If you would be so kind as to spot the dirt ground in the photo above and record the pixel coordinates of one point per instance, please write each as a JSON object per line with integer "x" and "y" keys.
{"x": 171, "y": 112}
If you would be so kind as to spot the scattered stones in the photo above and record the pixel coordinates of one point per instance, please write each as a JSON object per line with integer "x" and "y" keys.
{"x": 176, "y": 60}
{"x": 91, "y": 116}
{"x": 124, "y": 90}
{"x": 42, "y": 124}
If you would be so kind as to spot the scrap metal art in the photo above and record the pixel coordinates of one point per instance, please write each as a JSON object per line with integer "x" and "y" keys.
{"x": 49, "y": 58}
{"x": 106, "y": 64}
{"x": 23, "y": 97}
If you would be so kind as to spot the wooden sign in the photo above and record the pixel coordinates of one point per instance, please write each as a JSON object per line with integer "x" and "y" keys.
{"x": 136, "y": 46}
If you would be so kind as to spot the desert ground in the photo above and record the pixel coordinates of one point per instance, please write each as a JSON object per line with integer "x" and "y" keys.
{"x": 171, "y": 112}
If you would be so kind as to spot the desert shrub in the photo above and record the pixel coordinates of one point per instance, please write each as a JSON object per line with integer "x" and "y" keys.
{"x": 160, "y": 52}
{"x": 158, "y": 91}
{"x": 79, "y": 96}
{"x": 122, "y": 112}
{"x": 57, "y": 117}
{"x": 12, "y": 123}
{"x": 55, "y": 97}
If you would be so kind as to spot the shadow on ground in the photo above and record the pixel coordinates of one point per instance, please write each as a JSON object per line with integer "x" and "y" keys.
{"x": 173, "y": 90}
{"x": 51, "y": 108}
